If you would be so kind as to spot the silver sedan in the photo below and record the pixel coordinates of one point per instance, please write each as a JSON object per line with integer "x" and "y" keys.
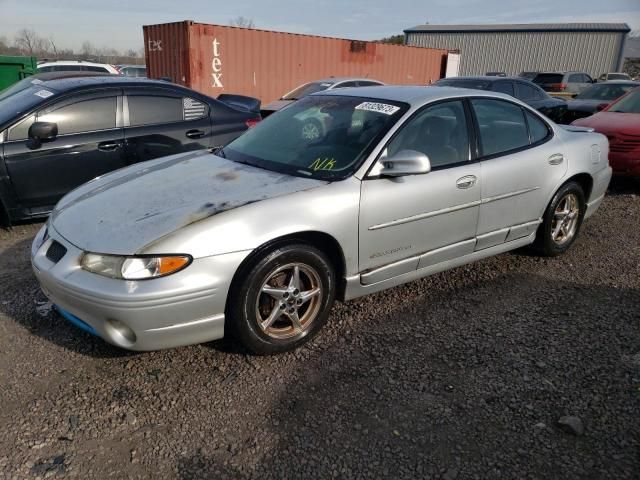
{"x": 260, "y": 238}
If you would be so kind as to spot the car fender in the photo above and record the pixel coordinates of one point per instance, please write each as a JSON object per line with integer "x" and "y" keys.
{"x": 331, "y": 209}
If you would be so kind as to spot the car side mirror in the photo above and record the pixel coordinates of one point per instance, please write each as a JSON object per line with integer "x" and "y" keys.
{"x": 405, "y": 162}
{"x": 43, "y": 131}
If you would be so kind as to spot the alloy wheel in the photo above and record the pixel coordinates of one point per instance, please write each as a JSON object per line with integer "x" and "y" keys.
{"x": 289, "y": 301}
{"x": 565, "y": 219}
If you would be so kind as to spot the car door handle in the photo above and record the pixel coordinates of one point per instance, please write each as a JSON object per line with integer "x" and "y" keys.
{"x": 195, "y": 134}
{"x": 466, "y": 182}
{"x": 108, "y": 146}
{"x": 556, "y": 159}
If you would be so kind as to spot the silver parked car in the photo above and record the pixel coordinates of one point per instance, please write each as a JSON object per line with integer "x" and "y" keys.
{"x": 310, "y": 88}
{"x": 260, "y": 238}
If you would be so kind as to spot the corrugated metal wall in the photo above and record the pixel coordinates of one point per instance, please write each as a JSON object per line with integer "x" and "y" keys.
{"x": 215, "y": 59}
{"x": 514, "y": 52}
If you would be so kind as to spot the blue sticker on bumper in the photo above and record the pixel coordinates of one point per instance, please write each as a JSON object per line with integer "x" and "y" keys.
{"x": 76, "y": 321}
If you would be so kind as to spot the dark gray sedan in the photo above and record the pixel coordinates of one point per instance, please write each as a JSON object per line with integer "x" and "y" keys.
{"x": 597, "y": 97}
{"x": 523, "y": 90}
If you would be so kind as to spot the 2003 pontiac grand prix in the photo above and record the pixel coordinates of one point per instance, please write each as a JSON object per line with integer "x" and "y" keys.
{"x": 261, "y": 237}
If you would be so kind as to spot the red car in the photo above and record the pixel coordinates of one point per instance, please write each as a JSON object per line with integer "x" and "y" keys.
{"x": 620, "y": 122}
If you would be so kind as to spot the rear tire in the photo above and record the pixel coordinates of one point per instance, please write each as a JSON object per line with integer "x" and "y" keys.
{"x": 283, "y": 298}
{"x": 561, "y": 221}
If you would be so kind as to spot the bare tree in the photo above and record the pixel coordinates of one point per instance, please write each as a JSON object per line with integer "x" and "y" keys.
{"x": 87, "y": 49}
{"x": 29, "y": 42}
{"x": 242, "y": 22}
{"x": 53, "y": 47}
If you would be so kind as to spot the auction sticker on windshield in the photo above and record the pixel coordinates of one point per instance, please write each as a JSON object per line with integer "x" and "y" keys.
{"x": 378, "y": 107}
{"x": 43, "y": 93}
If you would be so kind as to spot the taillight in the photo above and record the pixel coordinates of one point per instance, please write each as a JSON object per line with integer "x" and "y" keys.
{"x": 558, "y": 86}
{"x": 252, "y": 122}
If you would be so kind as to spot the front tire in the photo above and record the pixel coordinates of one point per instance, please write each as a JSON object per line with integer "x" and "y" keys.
{"x": 562, "y": 221}
{"x": 283, "y": 298}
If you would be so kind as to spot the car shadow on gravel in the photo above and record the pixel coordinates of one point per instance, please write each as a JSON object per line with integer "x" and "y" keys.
{"x": 460, "y": 384}
{"x": 624, "y": 186}
{"x": 23, "y": 301}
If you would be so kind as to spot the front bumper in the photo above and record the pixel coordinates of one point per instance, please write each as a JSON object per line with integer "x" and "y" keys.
{"x": 181, "y": 309}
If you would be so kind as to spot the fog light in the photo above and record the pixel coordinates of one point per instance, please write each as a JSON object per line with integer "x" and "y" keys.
{"x": 120, "y": 333}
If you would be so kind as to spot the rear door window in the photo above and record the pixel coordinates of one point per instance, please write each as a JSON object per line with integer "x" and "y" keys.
{"x": 91, "y": 68}
{"x": 152, "y": 110}
{"x": 368, "y": 84}
{"x": 68, "y": 68}
{"x": 502, "y": 126}
{"x": 575, "y": 78}
{"x": 503, "y": 87}
{"x": 346, "y": 85}
{"x": 527, "y": 92}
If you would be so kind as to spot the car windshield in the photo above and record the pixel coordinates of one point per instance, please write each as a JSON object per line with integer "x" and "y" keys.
{"x": 548, "y": 78}
{"x": 17, "y": 87}
{"x": 324, "y": 137}
{"x": 604, "y": 92}
{"x": 307, "y": 89}
{"x": 463, "y": 83}
{"x": 618, "y": 76}
{"x": 628, "y": 104}
{"x": 22, "y": 100}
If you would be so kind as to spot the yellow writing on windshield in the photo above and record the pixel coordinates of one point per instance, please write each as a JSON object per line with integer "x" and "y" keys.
{"x": 322, "y": 164}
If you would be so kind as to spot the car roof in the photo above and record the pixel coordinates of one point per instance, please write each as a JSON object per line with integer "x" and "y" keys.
{"x": 79, "y": 81}
{"x": 489, "y": 78}
{"x": 618, "y": 82}
{"x": 70, "y": 62}
{"x": 413, "y": 95}
{"x": 561, "y": 72}
{"x": 47, "y": 76}
{"x": 345, "y": 79}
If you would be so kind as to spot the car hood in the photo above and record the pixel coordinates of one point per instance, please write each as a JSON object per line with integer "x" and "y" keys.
{"x": 277, "y": 105}
{"x": 612, "y": 123}
{"x": 124, "y": 211}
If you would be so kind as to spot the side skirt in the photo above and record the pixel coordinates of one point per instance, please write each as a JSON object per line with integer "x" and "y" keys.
{"x": 355, "y": 289}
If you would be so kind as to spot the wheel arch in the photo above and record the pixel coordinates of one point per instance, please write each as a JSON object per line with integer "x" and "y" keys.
{"x": 584, "y": 180}
{"x": 320, "y": 240}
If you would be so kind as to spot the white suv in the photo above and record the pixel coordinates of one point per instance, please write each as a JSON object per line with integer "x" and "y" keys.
{"x": 76, "y": 66}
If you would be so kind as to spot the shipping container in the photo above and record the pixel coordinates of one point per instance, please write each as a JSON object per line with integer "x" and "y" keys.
{"x": 215, "y": 59}
{"x": 14, "y": 69}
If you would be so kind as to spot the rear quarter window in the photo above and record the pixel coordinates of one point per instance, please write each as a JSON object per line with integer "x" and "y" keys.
{"x": 538, "y": 130}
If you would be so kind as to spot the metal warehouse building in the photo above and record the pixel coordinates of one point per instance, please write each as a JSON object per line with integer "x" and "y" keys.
{"x": 594, "y": 48}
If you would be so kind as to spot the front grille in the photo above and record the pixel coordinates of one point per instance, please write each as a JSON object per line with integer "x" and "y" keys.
{"x": 56, "y": 251}
{"x": 624, "y": 144}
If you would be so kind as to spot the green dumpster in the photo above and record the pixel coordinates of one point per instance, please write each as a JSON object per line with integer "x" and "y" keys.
{"x": 13, "y": 69}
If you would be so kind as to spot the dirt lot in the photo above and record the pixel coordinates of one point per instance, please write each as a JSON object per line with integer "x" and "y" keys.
{"x": 463, "y": 375}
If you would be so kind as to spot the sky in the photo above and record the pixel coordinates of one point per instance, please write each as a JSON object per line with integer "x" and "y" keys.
{"x": 118, "y": 23}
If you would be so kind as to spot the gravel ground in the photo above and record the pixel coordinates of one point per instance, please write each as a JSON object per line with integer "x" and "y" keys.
{"x": 463, "y": 375}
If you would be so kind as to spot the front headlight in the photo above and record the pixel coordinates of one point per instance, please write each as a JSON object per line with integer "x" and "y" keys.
{"x": 134, "y": 268}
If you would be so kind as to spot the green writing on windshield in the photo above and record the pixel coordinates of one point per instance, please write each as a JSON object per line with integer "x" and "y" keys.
{"x": 322, "y": 164}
